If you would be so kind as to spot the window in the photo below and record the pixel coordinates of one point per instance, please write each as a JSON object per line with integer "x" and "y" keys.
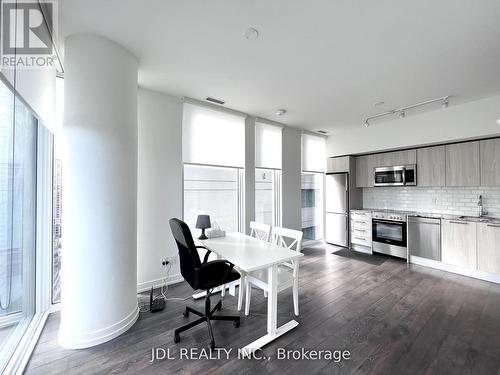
{"x": 18, "y": 135}
{"x": 268, "y": 155}
{"x": 312, "y": 206}
{"x": 215, "y": 191}
{"x": 267, "y": 196}
{"x": 213, "y": 152}
{"x": 313, "y": 177}
{"x": 57, "y": 195}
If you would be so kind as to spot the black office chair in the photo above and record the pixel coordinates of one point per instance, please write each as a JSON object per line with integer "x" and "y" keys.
{"x": 205, "y": 276}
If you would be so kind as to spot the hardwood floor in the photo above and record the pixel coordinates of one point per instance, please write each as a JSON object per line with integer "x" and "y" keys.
{"x": 393, "y": 318}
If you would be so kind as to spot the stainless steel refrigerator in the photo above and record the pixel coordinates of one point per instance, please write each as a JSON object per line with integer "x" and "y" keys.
{"x": 337, "y": 209}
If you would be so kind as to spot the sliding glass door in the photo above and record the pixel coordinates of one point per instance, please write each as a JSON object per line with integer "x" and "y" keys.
{"x": 18, "y": 134}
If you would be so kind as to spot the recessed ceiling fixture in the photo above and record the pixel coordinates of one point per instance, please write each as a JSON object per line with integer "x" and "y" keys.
{"x": 280, "y": 112}
{"x": 251, "y": 33}
{"x": 216, "y": 101}
{"x": 401, "y": 112}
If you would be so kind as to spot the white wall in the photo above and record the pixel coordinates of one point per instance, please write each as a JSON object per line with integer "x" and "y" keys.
{"x": 466, "y": 121}
{"x": 291, "y": 179}
{"x": 159, "y": 194}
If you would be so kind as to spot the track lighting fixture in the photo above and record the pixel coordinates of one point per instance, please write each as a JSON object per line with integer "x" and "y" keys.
{"x": 401, "y": 112}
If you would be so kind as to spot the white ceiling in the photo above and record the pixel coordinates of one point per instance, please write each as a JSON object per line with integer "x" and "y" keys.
{"x": 326, "y": 62}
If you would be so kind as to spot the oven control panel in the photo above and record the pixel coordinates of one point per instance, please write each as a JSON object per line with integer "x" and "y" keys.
{"x": 390, "y": 216}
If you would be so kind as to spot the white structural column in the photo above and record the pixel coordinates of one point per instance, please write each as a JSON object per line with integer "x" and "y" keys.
{"x": 99, "y": 264}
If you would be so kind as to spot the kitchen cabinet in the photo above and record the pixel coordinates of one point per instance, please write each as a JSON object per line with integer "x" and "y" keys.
{"x": 431, "y": 166}
{"x": 488, "y": 247}
{"x": 389, "y": 159}
{"x": 490, "y": 162}
{"x": 364, "y": 171}
{"x": 462, "y": 164}
{"x": 338, "y": 165}
{"x": 361, "y": 230}
{"x": 458, "y": 243}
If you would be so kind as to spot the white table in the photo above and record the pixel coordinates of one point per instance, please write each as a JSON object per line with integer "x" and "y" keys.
{"x": 250, "y": 254}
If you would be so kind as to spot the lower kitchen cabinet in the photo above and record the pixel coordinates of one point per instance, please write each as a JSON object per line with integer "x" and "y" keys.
{"x": 458, "y": 243}
{"x": 488, "y": 247}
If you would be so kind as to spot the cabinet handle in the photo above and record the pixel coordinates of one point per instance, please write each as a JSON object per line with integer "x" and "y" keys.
{"x": 360, "y": 230}
{"x": 360, "y": 238}
{"x": 459, "y": 222}
{"x": 359, "y": 222}
{"x": 494, "y": 225}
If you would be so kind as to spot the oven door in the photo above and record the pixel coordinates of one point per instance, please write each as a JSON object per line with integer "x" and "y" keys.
{"x": 389, "y": 176}
{"x": 389, "y": 232}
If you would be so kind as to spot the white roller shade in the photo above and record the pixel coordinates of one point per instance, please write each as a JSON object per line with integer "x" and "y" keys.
{"x": 268, "y": 140}
{"x": 313, "y": 153}
{"x": 212, "y": 137}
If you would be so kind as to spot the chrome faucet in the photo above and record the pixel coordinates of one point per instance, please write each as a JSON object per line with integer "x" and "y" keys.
{"x": 481, "y": 210}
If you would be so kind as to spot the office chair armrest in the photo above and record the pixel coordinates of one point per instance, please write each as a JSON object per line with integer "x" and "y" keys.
{"x": 215, "y": 270}
{"x": 206, "y": 255}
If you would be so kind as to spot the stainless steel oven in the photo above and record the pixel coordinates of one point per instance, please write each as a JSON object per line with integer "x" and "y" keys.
{"x": 389, "y": 235}
{"x": 402, "y": 175}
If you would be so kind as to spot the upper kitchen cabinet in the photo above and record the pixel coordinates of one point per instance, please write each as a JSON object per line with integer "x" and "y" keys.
{"x": 389, "y": 159}
{"x": 431, "y": 166}
{"x": 338, "y": 165}
{"x": 364, "y": 171}
{"x": 462, "y": 164}
{"x": 490, "y": 162}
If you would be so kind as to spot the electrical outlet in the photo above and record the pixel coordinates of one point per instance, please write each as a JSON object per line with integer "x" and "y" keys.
{"x": 164, "y": 261}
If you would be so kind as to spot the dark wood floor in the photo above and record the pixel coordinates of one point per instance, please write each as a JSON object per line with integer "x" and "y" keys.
{"x": 393, "y": 318}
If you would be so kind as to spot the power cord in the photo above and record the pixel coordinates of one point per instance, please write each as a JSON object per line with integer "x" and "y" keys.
{"x": 145, "y": 306}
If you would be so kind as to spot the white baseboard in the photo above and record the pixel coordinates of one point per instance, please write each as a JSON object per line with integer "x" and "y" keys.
{"x": 494, "y": 278}
{"x": 156, "y": 283}
{"x": 80, "y": 340}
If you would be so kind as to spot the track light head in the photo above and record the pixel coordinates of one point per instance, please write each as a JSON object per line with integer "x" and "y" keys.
{"x": 402, "y": 114}
{"x": 445, "y": 103}
{"x": 367, "y": 124}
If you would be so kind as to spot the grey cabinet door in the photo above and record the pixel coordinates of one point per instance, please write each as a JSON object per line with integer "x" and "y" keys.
{"x": 490, "y": 162}
{"x": 340, "y": 164}
{"x": 431, "y": 166}
{"x": 488, "y": 247}
{"x": 462, "y": 164}
{"x": 364, "y": 171}
{"x": 389, "y": 159}
{"x": 458, "y": 243}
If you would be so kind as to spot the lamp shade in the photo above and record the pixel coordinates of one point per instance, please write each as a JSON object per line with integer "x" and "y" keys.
{"x": 203, "y": 222}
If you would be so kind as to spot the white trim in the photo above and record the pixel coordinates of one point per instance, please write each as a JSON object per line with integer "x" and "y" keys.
{"x": 146, "y": 285}
{"x": 79, "y": 340}
{"x": 491, "y": 277}
{"x": 11, "y": 319}
{"x": 17, "y": 363}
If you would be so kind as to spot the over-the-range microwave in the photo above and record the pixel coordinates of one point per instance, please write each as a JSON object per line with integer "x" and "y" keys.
{"x": 401, "y": 175}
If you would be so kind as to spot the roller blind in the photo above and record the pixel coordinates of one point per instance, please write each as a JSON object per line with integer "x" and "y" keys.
{"x": 313, "y": 153}
{"x": 212, "y": 137}
{"x": 268, "y": 141}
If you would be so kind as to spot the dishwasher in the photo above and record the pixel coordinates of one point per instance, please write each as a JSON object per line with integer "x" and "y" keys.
{"x": 424, "y": 237}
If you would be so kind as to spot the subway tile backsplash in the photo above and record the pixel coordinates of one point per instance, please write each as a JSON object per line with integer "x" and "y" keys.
{"x": 440, "y": 200}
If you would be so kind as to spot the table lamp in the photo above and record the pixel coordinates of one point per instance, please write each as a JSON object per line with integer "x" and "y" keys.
{"x": 203, "y": 222}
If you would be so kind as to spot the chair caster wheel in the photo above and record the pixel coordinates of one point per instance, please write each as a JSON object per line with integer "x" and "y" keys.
{"x": 177, "y": 338}
{"x": 185, "y": 313}
{"x": 237, "y": 324}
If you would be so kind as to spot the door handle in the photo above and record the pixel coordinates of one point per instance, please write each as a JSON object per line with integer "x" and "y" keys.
{"x": 459, "y": 222}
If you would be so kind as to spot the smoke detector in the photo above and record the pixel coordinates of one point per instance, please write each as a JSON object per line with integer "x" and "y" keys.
{"x": 251, "y": 33}
{"x": 280, "y": 112}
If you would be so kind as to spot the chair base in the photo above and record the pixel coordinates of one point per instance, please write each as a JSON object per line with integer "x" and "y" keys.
{"x": 207, "y": 316}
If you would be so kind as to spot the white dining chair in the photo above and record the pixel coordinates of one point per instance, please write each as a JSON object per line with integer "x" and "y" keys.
{"x": 288, "y": 273}
{"x": 262, "y": 232}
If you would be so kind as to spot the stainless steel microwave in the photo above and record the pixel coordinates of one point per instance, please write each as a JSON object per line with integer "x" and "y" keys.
{"x": 401, "y": 175}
